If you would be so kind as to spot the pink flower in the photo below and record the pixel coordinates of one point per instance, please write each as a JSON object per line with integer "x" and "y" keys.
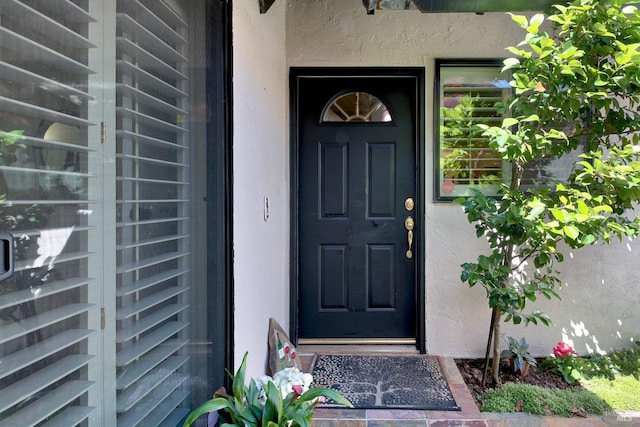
{"x": 297, "y": 389}
{"x": 563, "y": 350}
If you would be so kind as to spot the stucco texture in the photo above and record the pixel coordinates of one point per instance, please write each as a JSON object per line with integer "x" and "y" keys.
{"x": 260, "y": 165}
{"x": 598, "y": 310}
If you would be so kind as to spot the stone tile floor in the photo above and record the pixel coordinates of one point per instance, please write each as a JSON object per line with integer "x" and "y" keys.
{"x": 468, "y": 416}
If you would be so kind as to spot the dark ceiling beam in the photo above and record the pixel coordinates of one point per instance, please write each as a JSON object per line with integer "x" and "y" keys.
{"x": 481, "y": 6}
{"x": 265, "y": 5}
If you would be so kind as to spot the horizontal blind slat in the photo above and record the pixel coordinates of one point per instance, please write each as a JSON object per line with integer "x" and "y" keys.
{"x": 144, "y": 324}
{"x": 148, "y": 262}
{"x": 147, "y": 242}
{"x": 71, "y": 416}
{"x": 35, "y": 21}
{"x": 140, "y": 159}
{"x": 130, "y": 288}
{"x": 47, "y": 289}
{"x": 152, "y": 300}
{"x": 151, "y": 222}
{"x": 146, "y": 408}
{"x": 153, "y": 181}
{"x": 47, "y": 143}
{"x": 41, "y": 379}
{"x": 164, "y": 414}
{"x": 72, "y": 256}
{"x": 32, "y": 354}
{"x": 146, "y": 78}
{"x": 177, "y": 415}
{"x": 53, "y": 401}
{"x": 147, "y": 201}
{"x": 147, "y": 120}
{"x": 33, "y": 323}
{"x": 151, "y": 42}
{"x": 148, "y": 62}
{"x": 65, "y": 8}
{"x": 47, "y": 173}
{"x": 151, "y": 21}
{"x": 17, "y": 74}
{"x": 38, "y": 112}
{"x": 165, "y": 12}
{"x": 149, "y": 342}
{"x": 37, "y": 52}
{"x": 140, "y": 367}
{"x": 133, "y": 395}
{"x": 148, "y": 100}
{"x": 128, "y": 136}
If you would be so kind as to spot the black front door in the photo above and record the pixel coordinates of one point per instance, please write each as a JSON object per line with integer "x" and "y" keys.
{"x": 357, "y": 214}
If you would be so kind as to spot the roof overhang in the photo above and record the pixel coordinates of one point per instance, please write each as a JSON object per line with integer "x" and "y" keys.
{"x": 480, "y": 6}
{"x": 444, "y": 6}
{"x": 451, "y": 6}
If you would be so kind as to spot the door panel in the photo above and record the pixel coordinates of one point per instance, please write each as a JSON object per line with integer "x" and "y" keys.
{"x": 355, "y": 280}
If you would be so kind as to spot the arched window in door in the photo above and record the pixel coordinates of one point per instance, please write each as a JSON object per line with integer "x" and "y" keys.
{"x": 356, "y": 107}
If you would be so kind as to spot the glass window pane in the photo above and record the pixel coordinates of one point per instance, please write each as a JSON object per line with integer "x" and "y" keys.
{"x": 467, "y": 96}
{"x": 356, "y": 107}
{"x": 45, "y": 326}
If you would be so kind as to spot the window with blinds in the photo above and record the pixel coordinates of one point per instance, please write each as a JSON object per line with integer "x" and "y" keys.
{"x": 467, "y": 94}
{"x": 95, "y": 323}
{"x": 48, "y": 308}
{"x": 153, "y": 172}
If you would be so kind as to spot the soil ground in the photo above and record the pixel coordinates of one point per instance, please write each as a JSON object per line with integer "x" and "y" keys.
{"x": 472, "y": 371}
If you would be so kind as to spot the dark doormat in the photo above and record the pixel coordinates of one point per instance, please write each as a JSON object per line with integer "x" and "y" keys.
{"x": 389, "y": 381}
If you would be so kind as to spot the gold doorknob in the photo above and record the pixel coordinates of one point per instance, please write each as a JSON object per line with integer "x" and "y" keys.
{"x": 409, "y": 224}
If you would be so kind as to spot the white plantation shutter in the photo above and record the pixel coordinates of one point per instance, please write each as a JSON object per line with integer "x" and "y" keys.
{"x": 47, "y": 307}
{"x": 153, "y": 170}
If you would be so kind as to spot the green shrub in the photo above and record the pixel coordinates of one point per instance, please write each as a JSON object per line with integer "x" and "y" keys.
{"x": 541, "y": 401}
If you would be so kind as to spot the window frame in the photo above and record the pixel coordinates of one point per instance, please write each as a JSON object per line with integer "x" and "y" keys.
{"x": 440, "y": 64}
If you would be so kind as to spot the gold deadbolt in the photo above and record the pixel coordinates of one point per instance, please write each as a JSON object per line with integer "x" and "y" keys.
{"x": 409, "y": 204}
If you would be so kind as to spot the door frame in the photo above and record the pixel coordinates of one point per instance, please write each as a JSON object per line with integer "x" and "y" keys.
{"x": 219, "y": 193}
{"x": 418, "y": 73}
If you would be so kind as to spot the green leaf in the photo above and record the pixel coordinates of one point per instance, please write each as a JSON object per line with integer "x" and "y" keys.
{"x": 328, "y": 393}
{"x": 509, "y": 121}
{"x": 510, "y": 63}
{"x": 299, "y": 419}
{"x": 238, "y": 379}
{"x": 273, "y": 406}
{"x": 517, "y": 319}
{"x": 534, "y": 23}
{"x": 521, "y": 20}
{"x": 484, "y": 262}
{"x": 561, "y": 215}
{"x": 208, "y": 406}
{"x": 571, "y": 231}
{"x": 588, "y": 239}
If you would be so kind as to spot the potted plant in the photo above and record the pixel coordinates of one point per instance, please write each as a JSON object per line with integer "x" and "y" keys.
{"x": 518, "y": 354}
{"x": 284, "y": 400}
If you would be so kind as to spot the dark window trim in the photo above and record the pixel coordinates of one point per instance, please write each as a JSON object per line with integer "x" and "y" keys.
{"x": 437, "y": 96}
{"x": 219, "y": 142}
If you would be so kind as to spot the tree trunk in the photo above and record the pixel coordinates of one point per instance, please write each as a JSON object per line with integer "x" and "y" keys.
{"x": 495, "y": 366}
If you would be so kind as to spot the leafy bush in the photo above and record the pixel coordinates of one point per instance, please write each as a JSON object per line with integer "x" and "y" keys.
{"x": 564, "y": 362}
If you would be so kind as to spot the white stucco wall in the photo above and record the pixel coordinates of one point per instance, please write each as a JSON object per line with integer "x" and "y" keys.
{"x": 260, "y": 168}
{"x": 599, "y": 306}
